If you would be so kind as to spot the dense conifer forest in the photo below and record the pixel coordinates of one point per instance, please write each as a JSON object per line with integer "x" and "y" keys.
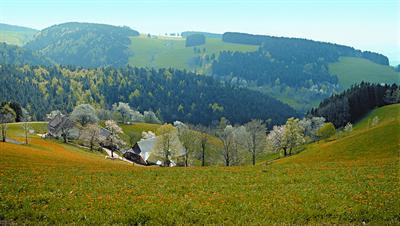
{"x": 84, "y": 44}
{"x": 354, "y": 103}
{"x": 173, "y": 94}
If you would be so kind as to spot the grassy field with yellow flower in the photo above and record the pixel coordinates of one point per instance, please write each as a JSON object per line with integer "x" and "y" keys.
{"x": 349, "y": 180}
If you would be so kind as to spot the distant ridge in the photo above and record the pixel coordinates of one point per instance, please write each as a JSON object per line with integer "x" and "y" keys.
{"x": 206, "y": 34}
{"x": 84, "y": 44}
{"x": 9, "y": 27}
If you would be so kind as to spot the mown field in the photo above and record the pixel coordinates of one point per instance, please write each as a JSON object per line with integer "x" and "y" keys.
{"x": 352, "y": 70}
{"x": 163, "y": 52}
{"x": 18, "y": 38}
{"x": 350, "y": 180}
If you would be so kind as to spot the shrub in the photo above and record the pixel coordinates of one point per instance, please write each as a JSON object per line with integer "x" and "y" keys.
{"x": 326, "y": 131}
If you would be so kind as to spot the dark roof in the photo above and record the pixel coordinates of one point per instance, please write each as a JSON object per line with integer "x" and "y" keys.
{"x": 134, "y": 150}
{"x": 56, "y": 121}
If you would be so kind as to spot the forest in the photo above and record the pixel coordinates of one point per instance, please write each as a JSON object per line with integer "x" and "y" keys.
{"x": 291, "y": 61}
{"x": 172, "y": 94}
{"x": 11, "y": 54}
{"x": 95, "y": 44}
{"x": 354, "y": 103}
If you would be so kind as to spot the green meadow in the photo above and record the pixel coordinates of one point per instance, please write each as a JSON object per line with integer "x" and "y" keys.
{"x": 351, "y": 70}
{"x": 165, "y": 52}
{"x": 351, "y": 179}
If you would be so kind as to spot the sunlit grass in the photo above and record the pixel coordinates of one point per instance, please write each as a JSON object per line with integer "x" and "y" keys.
{"x": 351, "y": 70}
{"x": 157, "y": 52}
{"x": 350, "y": 180}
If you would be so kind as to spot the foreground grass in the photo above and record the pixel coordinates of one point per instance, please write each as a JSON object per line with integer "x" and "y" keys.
{"x": 351, "y": 70}
{"x": 350, "y": 180}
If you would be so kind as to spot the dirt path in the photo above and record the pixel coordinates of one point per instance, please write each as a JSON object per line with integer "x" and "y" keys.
{"x": 12, "y": 141}
{"x": 116, "y": 156}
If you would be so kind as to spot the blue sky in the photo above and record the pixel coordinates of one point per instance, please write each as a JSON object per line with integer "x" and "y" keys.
{"x": 363, "y": 24}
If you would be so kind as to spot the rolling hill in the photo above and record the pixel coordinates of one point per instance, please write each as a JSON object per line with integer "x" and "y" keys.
{"x": 352, "y": 179}
{"x": 12, "y": 54}
{"x": 16, "y": 35}
{"x": 165, "y": 52}
{"x": 298, "y": 72}
{"x": 350, "y": 70}
{"x": 84, "y": 44}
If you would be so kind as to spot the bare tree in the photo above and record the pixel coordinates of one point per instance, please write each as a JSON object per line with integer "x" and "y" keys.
{"x": 26, "y": 118}
{"x": 189, "y": 139}
{"x": 65, "y": 127}
{"x": 202, "y": 137}
{"x": 91, "y": 134}
{"x": 255, "y": 139}
{"x": 238, "y": 136}
{"x": 7, "y": 115}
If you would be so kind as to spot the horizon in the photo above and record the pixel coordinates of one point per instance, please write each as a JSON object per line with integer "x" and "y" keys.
{"x": 370, "y": 25}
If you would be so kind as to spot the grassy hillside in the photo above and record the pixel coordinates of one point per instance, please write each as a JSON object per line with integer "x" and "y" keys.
{"x": 352, "y": 70}
{"x": 16, "y": 35}
{"x": 350, "y": 180}
{"x": 165, "y": 52}
{"x": 140, "y": 127}
{"x": 366, "y": 143}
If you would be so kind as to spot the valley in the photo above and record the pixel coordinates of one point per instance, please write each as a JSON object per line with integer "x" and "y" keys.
{"x": 350, "y": 180}
{"x": 198, "y": 113}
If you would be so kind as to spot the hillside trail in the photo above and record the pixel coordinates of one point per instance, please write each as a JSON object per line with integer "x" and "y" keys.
{"x": 12, "y": 141}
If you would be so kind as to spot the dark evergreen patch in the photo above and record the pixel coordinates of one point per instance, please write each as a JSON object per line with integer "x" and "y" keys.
{"x": 173, "y": 94}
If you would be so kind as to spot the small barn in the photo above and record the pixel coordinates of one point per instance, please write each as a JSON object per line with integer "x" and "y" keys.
{"x": 58, "y": 123}
{"x": 54, "y": 125}
{"x": 142, "y": 152}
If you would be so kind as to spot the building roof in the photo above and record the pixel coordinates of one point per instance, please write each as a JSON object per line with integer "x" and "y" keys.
{"x": 147, "y": 147}
{"x": 56, "y": 121}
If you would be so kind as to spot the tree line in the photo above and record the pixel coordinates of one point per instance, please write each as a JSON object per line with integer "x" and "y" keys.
{"x": 170, "y": 94}
{"x": 352, "y": 104}
{"x": 231, "y": 144}
{"x": 300, "y": 49}
{"x": 294, "y": 62}
{"x": 84, "y": 44}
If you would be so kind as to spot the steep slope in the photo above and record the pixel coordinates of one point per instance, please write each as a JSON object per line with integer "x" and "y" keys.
{"x": 353, "y": 180}
{"x": 16, "y": 35}
{"x": 84, "y": 44}
{"x": 357, "y": 174}
{"x": 365, "y": 144}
